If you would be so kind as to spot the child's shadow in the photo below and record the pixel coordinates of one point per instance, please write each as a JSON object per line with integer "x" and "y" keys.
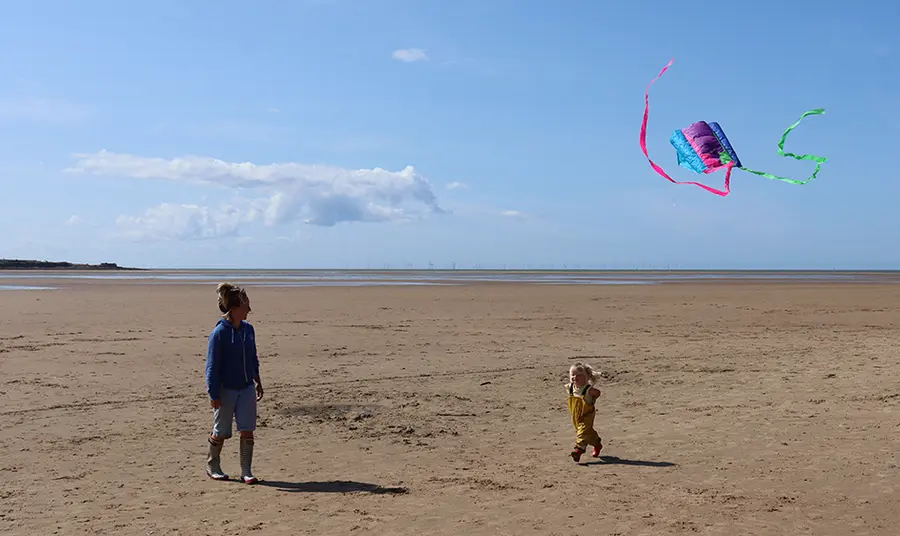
{"x": 615, "y": 460}
{"x": 333, "y": 486}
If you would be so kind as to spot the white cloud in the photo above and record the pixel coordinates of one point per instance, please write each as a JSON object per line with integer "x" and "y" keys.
{"x": 456, "y": 185}
{"x": 170, "y": 221}
{"x": 73, "y": 221}
{"x": 281, "y": 193}
{"x": 512, "y": 214}
{"x": 44, "y": 110}
{"x": 410, "y": 55}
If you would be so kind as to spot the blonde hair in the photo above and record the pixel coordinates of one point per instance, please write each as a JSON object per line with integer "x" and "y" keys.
{"x": 592, "y": 375}
{"x": 230, "y": 296}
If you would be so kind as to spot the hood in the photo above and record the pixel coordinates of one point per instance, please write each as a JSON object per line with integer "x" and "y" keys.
{"x": 224, "y": 323}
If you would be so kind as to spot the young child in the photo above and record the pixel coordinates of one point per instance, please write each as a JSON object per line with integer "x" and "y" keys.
{"x": 582, "y": 396}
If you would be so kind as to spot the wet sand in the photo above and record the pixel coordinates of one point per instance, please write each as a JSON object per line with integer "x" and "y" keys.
{"x": 738, "y": 409}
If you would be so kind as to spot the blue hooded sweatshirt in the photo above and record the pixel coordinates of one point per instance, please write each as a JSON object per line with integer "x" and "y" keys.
{"x": 231, "y": 359}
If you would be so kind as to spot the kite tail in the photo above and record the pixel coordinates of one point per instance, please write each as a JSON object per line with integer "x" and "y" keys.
{"x": 658, "y": 169}
{"x": 819, "y": 160}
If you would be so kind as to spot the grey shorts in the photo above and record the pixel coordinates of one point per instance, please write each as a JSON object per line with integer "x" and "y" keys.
{"x": 238, "y": 406}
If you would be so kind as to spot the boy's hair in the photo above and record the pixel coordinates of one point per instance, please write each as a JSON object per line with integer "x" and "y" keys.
{"x": 230, "y": 296}
{"x": 592, "y": 375}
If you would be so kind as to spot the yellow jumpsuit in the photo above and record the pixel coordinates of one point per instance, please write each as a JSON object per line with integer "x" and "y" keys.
{"x": 583, "y": 418}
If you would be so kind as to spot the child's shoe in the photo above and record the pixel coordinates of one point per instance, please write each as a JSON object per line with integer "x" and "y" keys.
{"x": 576, "y": 453}
{"x": 597, "y": 448}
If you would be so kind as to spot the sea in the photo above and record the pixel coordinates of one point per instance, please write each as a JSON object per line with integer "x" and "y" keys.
{"x": 57, "y": 279}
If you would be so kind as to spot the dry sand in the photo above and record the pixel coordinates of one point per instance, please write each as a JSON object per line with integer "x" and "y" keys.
{"x": 738, "y": 409}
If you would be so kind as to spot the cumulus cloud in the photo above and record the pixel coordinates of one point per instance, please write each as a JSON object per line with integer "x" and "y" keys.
{"x": 410, "y": 55}
{"x": 277, "y": 193}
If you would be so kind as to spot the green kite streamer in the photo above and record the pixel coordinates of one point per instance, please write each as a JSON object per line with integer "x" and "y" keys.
{"x": 819, "y": 160}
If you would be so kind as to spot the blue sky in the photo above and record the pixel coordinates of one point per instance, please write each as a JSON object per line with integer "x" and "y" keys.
{"x": 355, "y": 133}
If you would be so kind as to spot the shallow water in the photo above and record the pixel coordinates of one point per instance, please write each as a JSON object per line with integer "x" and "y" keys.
{"x": 343, "y": 278}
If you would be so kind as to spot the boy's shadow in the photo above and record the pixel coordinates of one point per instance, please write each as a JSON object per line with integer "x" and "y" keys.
{"x": 615, "y": 460}
{"x": 332, "y": 486}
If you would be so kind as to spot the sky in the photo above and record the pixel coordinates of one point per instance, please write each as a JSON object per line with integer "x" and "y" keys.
{"x": 417, "y": 133}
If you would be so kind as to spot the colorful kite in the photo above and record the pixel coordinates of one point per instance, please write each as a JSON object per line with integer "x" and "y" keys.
{"x": 703, "y": 148}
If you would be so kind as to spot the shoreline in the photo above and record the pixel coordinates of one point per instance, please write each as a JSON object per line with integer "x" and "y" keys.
{"x": 57, "y": 266}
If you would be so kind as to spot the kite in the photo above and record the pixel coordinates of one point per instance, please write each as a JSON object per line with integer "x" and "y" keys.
{"x": 703, "y": 148}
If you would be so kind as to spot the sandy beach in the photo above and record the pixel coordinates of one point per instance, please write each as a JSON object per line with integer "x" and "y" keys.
{"x": 727, "y": 409}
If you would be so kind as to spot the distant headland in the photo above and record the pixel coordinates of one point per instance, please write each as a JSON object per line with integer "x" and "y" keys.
{"x": 21, "y": 264}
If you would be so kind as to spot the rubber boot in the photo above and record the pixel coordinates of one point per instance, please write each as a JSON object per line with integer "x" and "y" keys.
{"x": 213, "y": 460}
{"x": 247, "y": 460}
